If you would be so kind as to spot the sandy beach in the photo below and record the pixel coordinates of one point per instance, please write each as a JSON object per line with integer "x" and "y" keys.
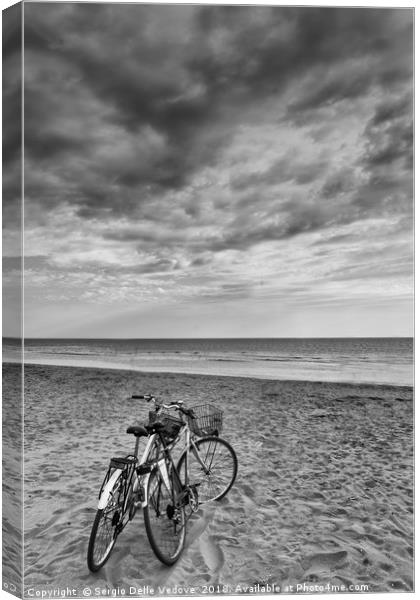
{"x": 323, "y": 494}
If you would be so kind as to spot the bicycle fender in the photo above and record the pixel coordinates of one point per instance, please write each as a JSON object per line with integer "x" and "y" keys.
{"x": 163, "y": 470}
{"x": 103, "y": 500}
{"x": 146, "y": 489}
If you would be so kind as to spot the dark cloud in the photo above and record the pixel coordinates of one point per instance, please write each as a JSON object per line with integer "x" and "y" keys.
{"x": 271, "y": 45}
{"x": 344, "y": 86}
{"x": 392, "y": 120}
{"x": 391, "y": 144}
{"x": 201, "y": 261}
{"x": 233, "y": 237}
{"x": 152, "y": 236}
{"x": 139, "y": 80}
{"x": 304, "y": 220}
{"x": 11, "y": 116}
{"x": 337, "y": 183}
{"x": 367, "y": 49}
{"x": 127, "y": 104}
{"x": 391, "y": 110}
{"x": 185, "y": 74}
{"x": 388, "y": 159}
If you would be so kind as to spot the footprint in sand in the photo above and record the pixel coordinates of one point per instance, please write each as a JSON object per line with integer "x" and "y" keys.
{"x": 211, "y": 552}
{"x": 249, "y": 491}
{"x": 324, "y": 560}
{"x": 198, "y": 527}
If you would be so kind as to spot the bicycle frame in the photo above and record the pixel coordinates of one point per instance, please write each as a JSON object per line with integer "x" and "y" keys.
{"x": 160, "y": 462}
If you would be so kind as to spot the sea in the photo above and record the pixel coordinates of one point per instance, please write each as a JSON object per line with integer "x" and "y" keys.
{"x": 351, "y": 360}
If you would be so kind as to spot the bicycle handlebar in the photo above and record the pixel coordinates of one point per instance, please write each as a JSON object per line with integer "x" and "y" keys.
{"x": 176, "y": 405}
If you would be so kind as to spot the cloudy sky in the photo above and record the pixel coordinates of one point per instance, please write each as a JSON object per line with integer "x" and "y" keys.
{"x": 197, "y": 171}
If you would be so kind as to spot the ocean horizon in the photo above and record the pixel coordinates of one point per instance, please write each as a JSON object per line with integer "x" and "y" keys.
{"x": 355, "y": 337}
{"x": 376, "y": 360}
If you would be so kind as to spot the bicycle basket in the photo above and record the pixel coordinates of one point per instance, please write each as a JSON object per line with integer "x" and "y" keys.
{"x": 208, "y": 420}
{"x": 172, "y": 425}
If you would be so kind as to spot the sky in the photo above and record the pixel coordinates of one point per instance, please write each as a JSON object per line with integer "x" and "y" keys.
{"x": 210, "y": 171}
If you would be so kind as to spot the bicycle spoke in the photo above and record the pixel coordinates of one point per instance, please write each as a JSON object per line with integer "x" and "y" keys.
{"x": 106, "y": 527}
{"x": 214, "y": 472}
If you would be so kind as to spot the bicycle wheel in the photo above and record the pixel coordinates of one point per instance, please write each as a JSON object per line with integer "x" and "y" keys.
{"x": 164, "y": 517}
{"x": 215, "y": 472}
{"x": 105, "y": 529}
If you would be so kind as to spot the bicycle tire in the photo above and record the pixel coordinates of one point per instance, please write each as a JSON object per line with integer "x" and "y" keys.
{"x": 165, "y": 523}
{"x": 221, "y": 462}
{"x": 105, "y": 530}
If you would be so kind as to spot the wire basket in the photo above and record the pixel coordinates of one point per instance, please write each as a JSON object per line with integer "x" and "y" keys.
{"x": 172, "y": 424}
{"x": 208, "y": 420}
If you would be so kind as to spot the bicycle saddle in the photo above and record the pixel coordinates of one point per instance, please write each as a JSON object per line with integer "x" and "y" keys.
{"x": 137, "y": 430}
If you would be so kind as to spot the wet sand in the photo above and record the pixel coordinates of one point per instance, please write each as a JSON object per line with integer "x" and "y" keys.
{"x": 323, "y": 494}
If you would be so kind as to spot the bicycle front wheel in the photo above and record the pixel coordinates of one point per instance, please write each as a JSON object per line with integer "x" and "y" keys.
{"x": 105, "y": 529}
{"x": 212, "y": 468}
{"x": 164, "y": 518}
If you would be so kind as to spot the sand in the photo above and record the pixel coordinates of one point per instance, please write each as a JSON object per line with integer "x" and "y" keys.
{"x": 323, "y": 495}
{"x": 12, "y": 499}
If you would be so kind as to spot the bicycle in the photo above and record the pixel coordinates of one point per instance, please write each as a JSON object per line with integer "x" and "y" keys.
{"x": 205, "y": 471}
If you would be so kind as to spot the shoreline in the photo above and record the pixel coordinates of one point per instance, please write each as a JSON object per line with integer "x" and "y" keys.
{"x": 99, "y": 365}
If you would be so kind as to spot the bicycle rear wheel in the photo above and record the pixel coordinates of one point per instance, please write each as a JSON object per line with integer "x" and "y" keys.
{"x": 106, "y": 527}
{"x": 212, "y": 470}
{"x": 164, "y": 518}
